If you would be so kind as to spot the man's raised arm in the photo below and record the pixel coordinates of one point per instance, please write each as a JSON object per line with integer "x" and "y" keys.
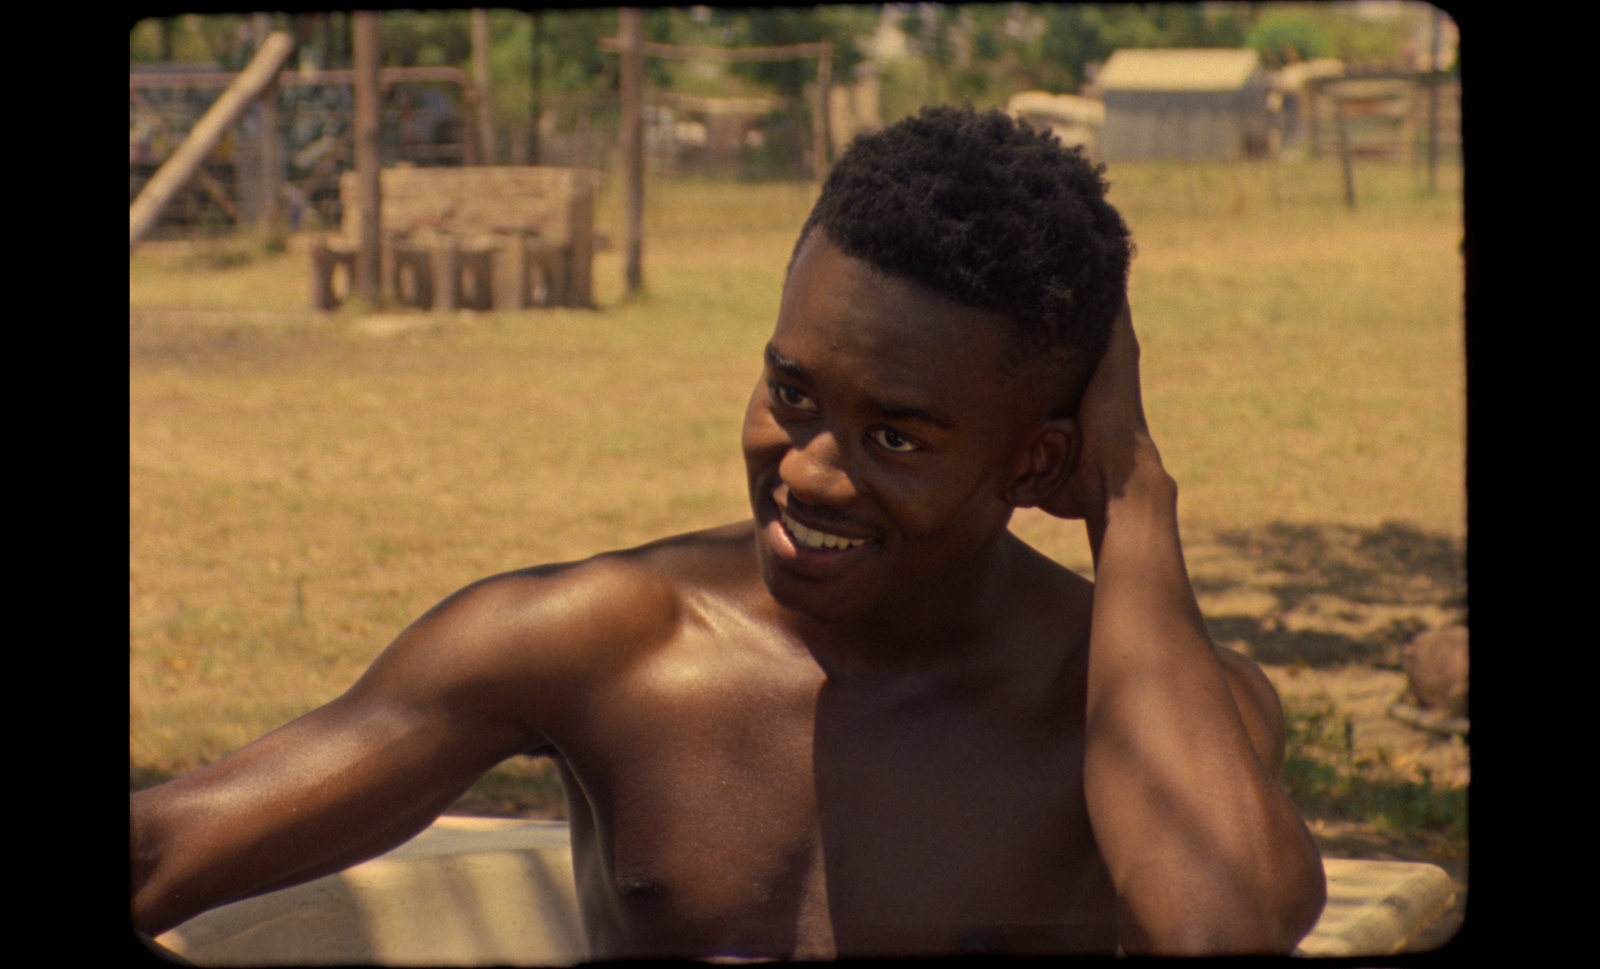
{"x": 1206, "y": 852}
{"x": 486, "y": 674}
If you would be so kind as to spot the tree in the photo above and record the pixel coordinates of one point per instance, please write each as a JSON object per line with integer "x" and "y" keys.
{"x": 1284, "y": 37}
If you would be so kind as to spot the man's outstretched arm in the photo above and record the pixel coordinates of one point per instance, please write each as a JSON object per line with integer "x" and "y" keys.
{"x": 341, "y": 784}
{"x": 1206, "y": 852}
{"x": 476, "y": 680}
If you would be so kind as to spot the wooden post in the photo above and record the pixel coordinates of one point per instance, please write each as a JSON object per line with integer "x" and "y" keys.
{"x": 510, "y": 272}
{"x": 446, "y": 275}
{"x": 579, "y": 284}
{"x": 631, "y": 23}
{"x": 480, "y": 80}
{"x": 819, "y": 124}
{"x": 1433, "y": 105}
{"x": 1313, "y": 121}
{"x": 325, "y": 27}
{"x": 469, "y": 123}
{"x": 537, "y": 62}
{"x": 178, "y": 169}
{"x": 322, "y": 275}
{"x": 1341, "y": 128}
{"x": 270, "y": 149}
{"x": 368, "y": 147}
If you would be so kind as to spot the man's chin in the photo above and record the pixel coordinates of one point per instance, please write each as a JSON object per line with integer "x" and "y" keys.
{"x": 814, "y": 600}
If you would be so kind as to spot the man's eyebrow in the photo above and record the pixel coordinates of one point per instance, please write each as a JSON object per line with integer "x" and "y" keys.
{"x": 885, "y": 410}
{"x": 783, "y": 364}
{"x": 906, "y": 412}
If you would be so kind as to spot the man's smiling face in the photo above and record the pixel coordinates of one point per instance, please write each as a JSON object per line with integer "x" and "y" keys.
{"x": 880, "y": 441}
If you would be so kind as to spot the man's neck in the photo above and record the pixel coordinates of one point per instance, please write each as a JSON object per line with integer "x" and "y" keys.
{"x": 947, "y": 625}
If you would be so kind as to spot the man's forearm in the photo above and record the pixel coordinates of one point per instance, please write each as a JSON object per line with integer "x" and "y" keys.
{"x": 1205, "y": 851}
{"x": 311, "y": 798}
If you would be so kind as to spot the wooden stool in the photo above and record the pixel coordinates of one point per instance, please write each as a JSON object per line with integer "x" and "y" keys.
{"x": 445, "y": 273}
{"x": 326, "y": 256}
{"x": 415, "y": 263}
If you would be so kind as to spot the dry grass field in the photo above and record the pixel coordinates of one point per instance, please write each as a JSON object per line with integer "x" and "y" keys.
{"x": 301, "y": 487}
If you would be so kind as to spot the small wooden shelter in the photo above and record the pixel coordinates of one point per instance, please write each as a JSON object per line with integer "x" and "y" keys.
{"x": 1184, "y": 105}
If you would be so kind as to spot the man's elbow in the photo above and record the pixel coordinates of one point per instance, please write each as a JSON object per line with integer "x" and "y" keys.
{"x": 1296, "y": 904}
{"x": 1265, "y": 913}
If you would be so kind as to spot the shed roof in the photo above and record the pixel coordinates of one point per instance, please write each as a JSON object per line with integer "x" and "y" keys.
{"x": 1178, "y": 69}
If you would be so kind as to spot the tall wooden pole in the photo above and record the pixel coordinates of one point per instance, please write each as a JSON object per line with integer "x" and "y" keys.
{"x": 480, "y": 80}
{"x": 1342, "y": 129}
{"x": 631, "y": 34}
{"x": 1433, "y": 105}
{"x": 270, "y": 151}
{"x": 538, "y": 87}
{"x": 819, "y": 124}
{"x": 368, "y": 146}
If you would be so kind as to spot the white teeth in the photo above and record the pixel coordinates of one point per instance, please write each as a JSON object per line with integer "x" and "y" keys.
{"x": 811, "y": 538}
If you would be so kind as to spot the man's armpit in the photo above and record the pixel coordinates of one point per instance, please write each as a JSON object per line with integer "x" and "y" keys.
{"x": 1259, "y": 707}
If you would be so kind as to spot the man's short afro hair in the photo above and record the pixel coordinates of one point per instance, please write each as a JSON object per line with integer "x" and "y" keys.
{"x": 990, "y": 213}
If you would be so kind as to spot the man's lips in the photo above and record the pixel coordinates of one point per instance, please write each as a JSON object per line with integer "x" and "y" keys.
{"x": 816, "y": 538}
{"x": 799, "y": 541}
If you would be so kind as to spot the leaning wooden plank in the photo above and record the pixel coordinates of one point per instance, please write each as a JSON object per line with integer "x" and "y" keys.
{"x": 1375, "y": 907}
{"x": 485, "y": 891}
{"x": 465, "y": 892}
{"x": 178, "y": 169}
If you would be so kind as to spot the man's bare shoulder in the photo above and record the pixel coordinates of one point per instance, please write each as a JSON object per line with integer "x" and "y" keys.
{"x": 550, "y": 628}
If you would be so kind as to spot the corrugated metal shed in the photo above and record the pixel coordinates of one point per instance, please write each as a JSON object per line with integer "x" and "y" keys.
{"x": 1183, "y": 105}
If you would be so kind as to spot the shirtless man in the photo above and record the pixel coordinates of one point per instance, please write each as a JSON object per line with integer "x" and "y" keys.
{"x": 870, "y": 721}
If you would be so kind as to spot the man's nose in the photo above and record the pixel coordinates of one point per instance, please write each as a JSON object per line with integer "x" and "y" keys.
{"x": 816, "y": 473}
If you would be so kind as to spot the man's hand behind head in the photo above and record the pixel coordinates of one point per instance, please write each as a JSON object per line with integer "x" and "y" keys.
{"x": 1112, "y": 427}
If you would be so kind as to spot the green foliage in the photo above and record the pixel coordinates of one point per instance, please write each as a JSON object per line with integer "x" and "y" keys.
{"x": 1284, "y": 36}
{"x": 769, "y": 27}
{"x": 570, "y": 55}
{"x": 144, "y": 41}
{"x": 1324, "y": 776}
{"x": 982, "y": 53}
{"x": 1333, "y": 30}
{"x": 191, "y": 39}
{"x": 412, "y": 38}
{"x": 1077, "y": 35}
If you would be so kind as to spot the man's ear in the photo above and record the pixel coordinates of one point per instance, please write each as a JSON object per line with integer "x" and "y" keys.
{"x": 1048, "y": 460}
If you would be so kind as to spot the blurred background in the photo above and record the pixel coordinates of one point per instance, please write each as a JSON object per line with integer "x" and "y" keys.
{"x": 561, "y": 369}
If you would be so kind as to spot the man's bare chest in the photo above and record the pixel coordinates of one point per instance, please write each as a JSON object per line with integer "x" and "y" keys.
{"x": 729, "y": 806}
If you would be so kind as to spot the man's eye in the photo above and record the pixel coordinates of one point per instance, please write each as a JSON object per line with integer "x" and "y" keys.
{"x": 892, "y": 440}
{"x": 789, "y": 397}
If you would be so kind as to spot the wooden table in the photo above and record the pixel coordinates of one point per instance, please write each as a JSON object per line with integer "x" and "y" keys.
{"x": 491, "y": 237}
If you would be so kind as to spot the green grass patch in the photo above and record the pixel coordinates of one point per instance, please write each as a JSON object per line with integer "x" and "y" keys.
{"x": 1325, "y": 777}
